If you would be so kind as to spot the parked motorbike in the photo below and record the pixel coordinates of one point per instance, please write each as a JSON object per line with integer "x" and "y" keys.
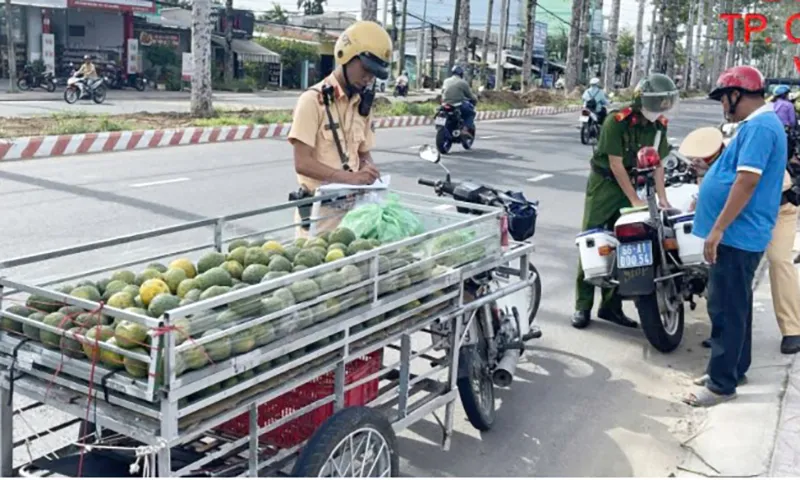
{"x": 449, "y": 127}
{"x": 116, "y": 79}
{"x": 30, "y": 79}
{"x": 495, "y": 335}
{"x": 652, "y": 258}
{"x": 79, "y": 88}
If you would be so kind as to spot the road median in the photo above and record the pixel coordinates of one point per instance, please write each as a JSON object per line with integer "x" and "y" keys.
{"x": 119, "y": 136}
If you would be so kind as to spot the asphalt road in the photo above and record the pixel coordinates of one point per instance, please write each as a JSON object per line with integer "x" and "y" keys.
{"x": 597, "y": 402}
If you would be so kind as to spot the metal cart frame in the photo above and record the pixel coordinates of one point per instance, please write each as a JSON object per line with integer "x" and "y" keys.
{"x": 152, "y": 414}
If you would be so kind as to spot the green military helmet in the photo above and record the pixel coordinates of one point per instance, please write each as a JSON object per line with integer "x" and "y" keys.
{"x": 656, "y": 95}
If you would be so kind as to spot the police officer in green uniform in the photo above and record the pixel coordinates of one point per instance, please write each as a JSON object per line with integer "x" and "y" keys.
{"x": 610, "y": 187}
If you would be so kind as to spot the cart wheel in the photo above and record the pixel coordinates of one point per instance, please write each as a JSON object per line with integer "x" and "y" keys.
{"x": 355, "y": 442}
{"x": 475, "y": 385}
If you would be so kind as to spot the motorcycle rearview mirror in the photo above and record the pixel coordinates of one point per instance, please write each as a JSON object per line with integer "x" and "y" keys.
{"x": 431, "y": 154}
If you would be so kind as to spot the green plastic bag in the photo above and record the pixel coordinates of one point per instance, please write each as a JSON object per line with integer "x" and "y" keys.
{"x": 386, "y": 222}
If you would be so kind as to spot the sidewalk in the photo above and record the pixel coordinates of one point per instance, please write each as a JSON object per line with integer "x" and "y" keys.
{"x": 758, "y": 434}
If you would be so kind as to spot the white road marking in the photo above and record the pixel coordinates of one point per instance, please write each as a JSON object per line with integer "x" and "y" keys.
{"x": 160, "y": 182}
{"x": 539, "y": 178}
{"x": 487, "y": 137}
{"x": 538, "y": 130}
{"x": 415, "y": 147}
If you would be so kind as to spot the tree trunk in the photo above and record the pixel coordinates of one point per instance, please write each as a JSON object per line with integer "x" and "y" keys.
{"x": 228, "y": 74}
{"x": 698, "y": 77}
{"x": 201, "y": 105}
{"x": 671, "y": 38}
{"x": 369, "y": 10}
{"x": 611, "y": 60}
{"x": 527, "y": 45}
{"x": 688, "y": 69}
{"x": 574, "y": 53}
{"x": 487, "y": 36}
{"x": 729, "y": 50}
{"x": 454, "y": 38}
{"x": 717, "y": 52}
{"x": 464, "y": 39}
{"x": 586, "y": 29}
{"x": 657, "y": 48}
{"x": 12, "y": 53}
{"x": 638, "y": 46}
{"x": 651, "y": 46}
{"x": 499, "y": 72}
{"x": 401, "y": 59}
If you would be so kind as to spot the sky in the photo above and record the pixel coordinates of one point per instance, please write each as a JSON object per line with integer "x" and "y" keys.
{"x": 441, "y": 11}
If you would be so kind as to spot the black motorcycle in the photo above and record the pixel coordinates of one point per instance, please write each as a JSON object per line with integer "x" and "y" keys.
{"x": 401, "y": 90}
{"x": 449, "y": 128}
{"x": 30, "y": 78}
{"x": 117, "y": 80}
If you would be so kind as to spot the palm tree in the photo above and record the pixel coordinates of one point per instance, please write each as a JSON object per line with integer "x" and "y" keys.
{"x": 201, "y": 105}
{"x": 229, "y": 41}
{"x": 487, "y": 36}
{"x": 687, "y": 68}
{"x": 463, "y": 38}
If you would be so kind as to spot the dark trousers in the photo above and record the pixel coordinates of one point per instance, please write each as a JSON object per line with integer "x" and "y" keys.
{"x": 730, "y": 306}
{"x": 467, "y": 114}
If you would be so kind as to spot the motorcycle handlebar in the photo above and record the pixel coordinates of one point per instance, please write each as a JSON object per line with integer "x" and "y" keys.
{"x": 426, "y": 182}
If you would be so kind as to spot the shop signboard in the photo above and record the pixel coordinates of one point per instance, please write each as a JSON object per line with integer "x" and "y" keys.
{"x": 139, "y": 6}
{"x": 133, "y": 56}
{"x": 148, "y": 38}
{"x": 274, "y": 74}
{"x": 42, "y": 3}
{"x": 49, "y": 52}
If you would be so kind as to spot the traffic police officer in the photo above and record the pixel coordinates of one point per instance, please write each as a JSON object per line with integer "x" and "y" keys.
{"x": 610, "y": 188}
{"x": 332, "y": 122}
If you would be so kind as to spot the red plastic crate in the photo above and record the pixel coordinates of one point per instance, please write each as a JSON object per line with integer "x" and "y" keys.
{"x": 301, "y": 428}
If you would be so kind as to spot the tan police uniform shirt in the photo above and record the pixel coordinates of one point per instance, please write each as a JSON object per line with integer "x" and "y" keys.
{"x": 310, "y": 125}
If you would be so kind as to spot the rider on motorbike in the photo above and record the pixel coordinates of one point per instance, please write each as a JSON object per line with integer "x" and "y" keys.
{"x": 783, "y": 107}
{"x": 456, "y": 92}
{"x": 594, "y": 98}
{"x": 87, "y": 70}
{"x": 609, "y": 188}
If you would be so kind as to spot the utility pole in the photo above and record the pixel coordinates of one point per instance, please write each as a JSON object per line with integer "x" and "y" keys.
{"x": 402, "y": 50}
{"x": 487, "y": 36}
{"x": 433, "y": 58}
{"x": 454, "y": 37}
{"x": 421, "y": 48}
{"x": 498, "y": 81}
{"x": 385, "y": 12}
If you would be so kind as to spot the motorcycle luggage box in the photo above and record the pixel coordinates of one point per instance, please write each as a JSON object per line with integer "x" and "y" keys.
{"x": 597, "y": 249}
{"x": 690, "y": 246}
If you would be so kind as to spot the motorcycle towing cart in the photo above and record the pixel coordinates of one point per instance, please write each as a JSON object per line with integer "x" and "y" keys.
{"x": 307, "y": 371}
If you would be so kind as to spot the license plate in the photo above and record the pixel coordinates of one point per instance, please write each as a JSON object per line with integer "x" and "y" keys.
{"x": 637, "y": 254}
{"x": 440, "y": 121}
{"x": 584, "y": 119}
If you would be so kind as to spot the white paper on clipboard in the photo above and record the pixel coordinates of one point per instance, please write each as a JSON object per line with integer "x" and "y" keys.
{"x": 380, "y": 184}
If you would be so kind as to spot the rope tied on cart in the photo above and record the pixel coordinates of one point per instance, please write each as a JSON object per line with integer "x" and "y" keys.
{"x": 163, "y": 330}
{"x": 143, "y": 455}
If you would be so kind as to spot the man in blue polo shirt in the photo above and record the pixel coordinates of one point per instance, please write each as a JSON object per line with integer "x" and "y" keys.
{"x": 736, "y": 211}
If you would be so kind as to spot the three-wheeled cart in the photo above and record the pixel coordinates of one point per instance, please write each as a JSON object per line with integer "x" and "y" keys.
{"x": 237, "y": 383}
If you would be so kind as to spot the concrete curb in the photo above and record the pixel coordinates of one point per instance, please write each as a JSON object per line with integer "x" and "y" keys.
{"x": 26, "y": 148}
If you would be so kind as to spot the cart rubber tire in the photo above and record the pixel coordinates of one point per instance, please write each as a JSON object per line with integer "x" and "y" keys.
{"x": 479, "y": 419}
{"x": 330, "y": 434}
{"x": 653, "y": 326}
{"x": 537, "y": 293}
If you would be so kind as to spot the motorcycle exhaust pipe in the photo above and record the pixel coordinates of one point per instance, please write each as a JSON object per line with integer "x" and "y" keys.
{"x": 504, "y": 373}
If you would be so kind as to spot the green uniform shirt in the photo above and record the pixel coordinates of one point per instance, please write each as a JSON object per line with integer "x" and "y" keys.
{"x": 621, "y": 136}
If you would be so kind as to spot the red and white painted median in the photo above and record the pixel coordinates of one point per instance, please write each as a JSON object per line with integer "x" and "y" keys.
{"x": 25, "y": 148}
